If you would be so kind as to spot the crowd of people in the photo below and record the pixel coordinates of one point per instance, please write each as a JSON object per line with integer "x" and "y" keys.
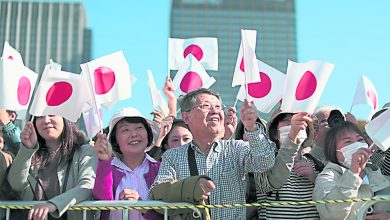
{"x": 209, "y": 156}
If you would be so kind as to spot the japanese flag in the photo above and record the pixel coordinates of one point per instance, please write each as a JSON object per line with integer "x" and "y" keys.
{"x": 204, "y": 49}
{"x": 17, "y": 84}
{"x": 379, "y": 130}
{"x": 366, "y": 94}
{"x": 191, "y": 76}
{"x": 11, "y": 54}
{"x": 304, "y": 85}
{"x": 59, "y": 93}
{"x": 266, "y": 93}
{"x": 247, "y": 69}
{"x": 109, "y": 77}
{"x": 157, "y": 99}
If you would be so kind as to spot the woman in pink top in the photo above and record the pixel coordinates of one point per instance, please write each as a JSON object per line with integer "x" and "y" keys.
{"x": 130, "y": 173}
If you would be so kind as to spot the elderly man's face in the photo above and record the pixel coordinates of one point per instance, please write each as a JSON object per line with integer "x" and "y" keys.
{"x": 206, "y": 115}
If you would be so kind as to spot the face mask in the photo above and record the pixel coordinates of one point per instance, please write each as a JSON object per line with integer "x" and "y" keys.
{"x": 284, "y": 131}
{"x": 348, "y": 150}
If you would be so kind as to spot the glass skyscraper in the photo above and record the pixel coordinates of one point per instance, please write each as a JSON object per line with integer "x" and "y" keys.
{"x": 274, "y": 21}
{"x": 43, "y": 30}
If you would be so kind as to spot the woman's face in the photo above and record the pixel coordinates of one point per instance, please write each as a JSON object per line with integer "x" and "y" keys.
{"x": 349, "y": 137}
{"x": 286, "y": 121}
{"x": 132, "y": 138}
{"x": 179, "y": 136}
{"x": 50, "y": 127}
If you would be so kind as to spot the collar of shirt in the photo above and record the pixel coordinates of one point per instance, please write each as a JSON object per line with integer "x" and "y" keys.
{"x": 216, "y": 146}
{"x": 119, "y": 163}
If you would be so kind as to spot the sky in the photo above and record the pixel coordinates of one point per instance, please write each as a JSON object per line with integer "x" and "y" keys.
{"x": 352, "y": 34}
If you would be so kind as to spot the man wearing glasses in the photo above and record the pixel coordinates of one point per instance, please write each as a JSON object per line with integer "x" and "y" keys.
{"x": 209, "y": 169}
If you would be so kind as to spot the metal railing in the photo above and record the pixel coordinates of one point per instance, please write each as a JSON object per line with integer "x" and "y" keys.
{"x": 124, "y": 205}
{"x": 363, "y": 209}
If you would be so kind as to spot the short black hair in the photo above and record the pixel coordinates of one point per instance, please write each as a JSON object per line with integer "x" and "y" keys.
{"x": 131, "y": 120}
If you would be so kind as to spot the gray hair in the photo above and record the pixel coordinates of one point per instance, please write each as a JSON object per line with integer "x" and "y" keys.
{"x": 325, "y": 108}
{"x": 187, "y": 101}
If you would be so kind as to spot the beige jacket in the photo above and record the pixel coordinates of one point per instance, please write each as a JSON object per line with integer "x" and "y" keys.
{"x": 336, "y": 182}
{"x": 79, "y": 185}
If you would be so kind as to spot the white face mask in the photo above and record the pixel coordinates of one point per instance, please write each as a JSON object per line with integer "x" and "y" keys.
{"x": 349, "y": 150}
{"x": 284, "y": 131}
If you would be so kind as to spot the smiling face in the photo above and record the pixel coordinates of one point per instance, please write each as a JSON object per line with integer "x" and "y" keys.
{"x": 132, "y": 138}
{"x": 205, "y": 121}
{"x": 50, "y": 128}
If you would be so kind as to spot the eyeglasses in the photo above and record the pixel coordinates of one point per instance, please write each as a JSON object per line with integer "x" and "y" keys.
{"x": 207, "y": 107}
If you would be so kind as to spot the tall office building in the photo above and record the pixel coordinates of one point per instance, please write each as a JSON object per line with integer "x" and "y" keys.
{"x": 43, "y": 30}
{"x": 273, "y": 19}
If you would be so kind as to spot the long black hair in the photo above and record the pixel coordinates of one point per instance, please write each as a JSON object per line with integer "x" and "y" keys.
{"x": 71, "y": 139}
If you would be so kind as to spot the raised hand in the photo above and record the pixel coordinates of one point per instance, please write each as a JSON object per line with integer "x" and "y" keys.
{"x": 28, "y": 136}
{"x": 169, "y": 91}
{"x": 157, "y": 116}
{"x": 359, "y": 160}
{"x": 299, "y": 122}
{"x": 230, "y": 122}
{"x": 249, "y": 115}
{"x": 102, "y": 147}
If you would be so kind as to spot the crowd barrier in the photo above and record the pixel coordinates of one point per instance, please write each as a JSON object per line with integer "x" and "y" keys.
{"x": 126, "y": 205}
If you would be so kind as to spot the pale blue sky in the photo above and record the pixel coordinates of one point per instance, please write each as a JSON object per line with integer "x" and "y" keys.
{"x": 352, "y": 34}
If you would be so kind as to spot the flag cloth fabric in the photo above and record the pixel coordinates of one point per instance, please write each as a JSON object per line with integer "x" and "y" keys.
{"x": 366, "y": 94}
{"x": 109, "y": 77}
{"x": 191, "y": 76}
{"x": 59, "y": 93}
{"x": 379, "y": 130}
{"x": 17, "y": 84}
{"x": 239, "y": 71}
{"x": 11, "y": 54}
{"x": 304, "y": 85}
{"x": 157, "y": 99}
{"x": 93, "y": 122}
{"x": 205, "y": 49}
{"x": 266, "y": 93}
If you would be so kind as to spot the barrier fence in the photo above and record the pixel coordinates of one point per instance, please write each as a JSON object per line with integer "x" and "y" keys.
{"x": 126, "y": 205}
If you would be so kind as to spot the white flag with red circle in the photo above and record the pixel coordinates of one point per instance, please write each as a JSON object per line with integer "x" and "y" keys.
{"x": 304, "y": 85}
{"x": 204, "y": 49}
{"x": 11, "y": 54}
{"x": 266, "y": 93}
{"x": 110, "y": 77}
{"x": 17, "y": 84}
{"x": 59, "y": 93}
{"x": 191, "y": 76}
{"x": 379, "y": 130}
{"x": 366, "y": 94}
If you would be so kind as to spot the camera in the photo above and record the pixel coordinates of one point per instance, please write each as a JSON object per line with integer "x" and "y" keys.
{"x": 335, "y": 118}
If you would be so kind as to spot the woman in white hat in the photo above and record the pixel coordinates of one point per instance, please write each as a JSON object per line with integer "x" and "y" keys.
{"x": 129, "y": 174}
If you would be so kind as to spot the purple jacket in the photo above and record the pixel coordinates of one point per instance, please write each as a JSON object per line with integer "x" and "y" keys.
{"x": 108, "y": 179}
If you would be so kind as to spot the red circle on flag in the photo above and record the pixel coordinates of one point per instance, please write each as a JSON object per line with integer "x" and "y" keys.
{"x": 104, "y": 80}
{"x": 59, "y": 93}
{"x": 306, "y": 86}
{"x": 24, "y": 90}
{"x": 372, "y": 96}
{"x": 242, "y": 67}
{"x": 262, "y": 88}
{"x": 10, "y": 58}
{"x": 195, "y": 50}
{"x": 190, "y": 82}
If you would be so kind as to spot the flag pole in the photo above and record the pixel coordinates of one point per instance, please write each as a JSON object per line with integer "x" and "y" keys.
{"x": 235, "y": 103}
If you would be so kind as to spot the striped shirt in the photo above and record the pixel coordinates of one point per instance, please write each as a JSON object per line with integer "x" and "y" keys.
{"x": 226, "y": 164}
{"x": 296, "y": 189}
